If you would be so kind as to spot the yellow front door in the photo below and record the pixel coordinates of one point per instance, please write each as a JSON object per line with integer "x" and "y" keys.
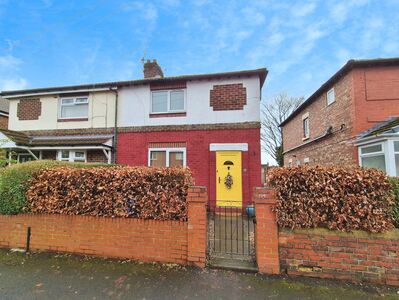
{"x": 228, "y": 178}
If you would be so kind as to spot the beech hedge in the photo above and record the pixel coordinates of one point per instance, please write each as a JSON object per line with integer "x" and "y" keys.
{"x": 139, "y": 192}
{"x": 14, "y": 182}
{"x": 343, "y": 199}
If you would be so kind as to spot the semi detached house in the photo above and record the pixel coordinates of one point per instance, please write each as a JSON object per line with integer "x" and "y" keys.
{"x": 352, "y": 119}
{"x": 209, "y": 123}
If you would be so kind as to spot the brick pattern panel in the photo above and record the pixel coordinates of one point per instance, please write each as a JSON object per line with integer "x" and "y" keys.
{"x": 96, "y": 156}
{"x": 200, "y": 160}
{"x": 228, "y": 97}
{"x": 29, "y": 109}
{"x": 3, "y": 122}
{"x": 349, "y": 256}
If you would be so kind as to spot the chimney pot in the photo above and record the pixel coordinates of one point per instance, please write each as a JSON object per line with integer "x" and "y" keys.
{"x": 152, "y": 69}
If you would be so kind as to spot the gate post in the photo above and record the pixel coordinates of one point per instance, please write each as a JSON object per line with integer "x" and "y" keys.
{"x": 196, "y": 230}
{"x": 266, "y": 233}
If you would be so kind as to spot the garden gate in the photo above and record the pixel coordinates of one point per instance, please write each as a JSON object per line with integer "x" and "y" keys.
{"x": 231, "y": 237}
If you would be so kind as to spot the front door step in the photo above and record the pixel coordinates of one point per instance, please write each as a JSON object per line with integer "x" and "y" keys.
{"x": 233, "y": 264}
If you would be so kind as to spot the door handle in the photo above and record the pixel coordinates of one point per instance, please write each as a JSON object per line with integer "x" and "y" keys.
{"x": 219, "y": 179}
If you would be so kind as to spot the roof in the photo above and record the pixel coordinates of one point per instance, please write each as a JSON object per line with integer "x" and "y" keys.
{"x": 22, "y": 139}
{"x": 351, "y": 64}
{"x": 262, "y": 73}
{"x": 3, "y": 105}
{"x": 389, "y": 126}
{"x": 17, "y": 137}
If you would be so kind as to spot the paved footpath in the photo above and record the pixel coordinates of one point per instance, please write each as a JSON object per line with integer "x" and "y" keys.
{"x": 50, "y": 276}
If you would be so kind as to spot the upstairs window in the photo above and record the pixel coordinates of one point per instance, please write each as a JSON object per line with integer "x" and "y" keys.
{"x": 172, "y": 157}
{"x": 72, "y": 155}
{"x": 168, "y": 101}
{"x": 74, "y": 107}
{"x": 306, "y": 132}
{"x": 330, "y": 96}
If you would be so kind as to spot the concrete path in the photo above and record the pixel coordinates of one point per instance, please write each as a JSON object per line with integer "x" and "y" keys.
{"x": 49, "y": 276}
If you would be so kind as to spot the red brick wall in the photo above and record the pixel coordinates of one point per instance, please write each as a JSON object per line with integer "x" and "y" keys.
{"x": 145, "y": 240}
{"x": 352, "y": 256}
{"x": 3, "y": 122}
{"x": 228, "y": 97}
{"x": 133, "y": 150}
{"x": 164, "y": 241}
{"x": 336, "y": 149}
{"x": 376, "y": 93}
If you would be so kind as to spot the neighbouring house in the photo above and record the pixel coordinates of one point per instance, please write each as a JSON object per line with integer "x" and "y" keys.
{"x": 209, "y": 123}
{"x": 333, "y": 125}
{"x": 3, "y": 113}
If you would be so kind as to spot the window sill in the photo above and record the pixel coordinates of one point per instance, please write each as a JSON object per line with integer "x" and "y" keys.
{"x": 164, "y": 115}
{"x": 73, "y": 120}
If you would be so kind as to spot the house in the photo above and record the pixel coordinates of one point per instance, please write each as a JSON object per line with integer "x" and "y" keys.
{"x": 3, "y": 113}
{"x": 208, "y": 122}
{"x": 329, "y": 127}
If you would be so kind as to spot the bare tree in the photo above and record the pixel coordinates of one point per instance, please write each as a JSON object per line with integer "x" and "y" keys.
{"x": 275, "y": 111}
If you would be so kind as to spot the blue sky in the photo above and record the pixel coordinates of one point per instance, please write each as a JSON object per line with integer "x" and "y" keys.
{"x": 302, "y": 43}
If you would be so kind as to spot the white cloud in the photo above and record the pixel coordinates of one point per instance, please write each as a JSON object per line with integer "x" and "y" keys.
{"x": 303, "y": 9}
{"x": 11, "y": 84}
{"x": 147, "y": 10}
{"x": 9, "y": 62}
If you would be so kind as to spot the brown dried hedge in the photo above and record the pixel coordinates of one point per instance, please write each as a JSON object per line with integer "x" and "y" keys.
{"x": 139, "y": 192}
{"x": 343, "y": 199}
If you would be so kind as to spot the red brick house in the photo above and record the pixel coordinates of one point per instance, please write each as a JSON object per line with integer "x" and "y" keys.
{"x": 325, "y": 128}
{"x": 208, "y": 122}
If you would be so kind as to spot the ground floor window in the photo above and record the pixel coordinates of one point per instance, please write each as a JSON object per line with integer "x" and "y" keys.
{"x": 72, "y": 155}
{"x": 383, "y": 155}
{"x": 167, "y": 157}
{"x": 373, "y": 156}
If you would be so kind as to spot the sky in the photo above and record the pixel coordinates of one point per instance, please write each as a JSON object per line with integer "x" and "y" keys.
{"x": 301, "y": 43}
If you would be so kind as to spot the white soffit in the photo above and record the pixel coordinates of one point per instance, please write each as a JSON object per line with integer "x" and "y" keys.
{"x": 229, "y": 147}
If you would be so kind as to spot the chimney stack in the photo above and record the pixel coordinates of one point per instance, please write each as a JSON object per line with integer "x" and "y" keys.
{"x": 152, "y": 69}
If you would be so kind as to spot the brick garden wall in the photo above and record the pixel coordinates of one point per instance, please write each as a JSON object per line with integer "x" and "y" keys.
{"x": 357, "y": 256}
{"x": 144, "y": 240}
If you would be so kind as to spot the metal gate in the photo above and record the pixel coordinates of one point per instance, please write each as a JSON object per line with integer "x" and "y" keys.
{"x": 231, "y": 234}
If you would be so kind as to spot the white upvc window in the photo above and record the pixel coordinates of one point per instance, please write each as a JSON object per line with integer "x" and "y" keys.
{"x": 168, "y": 101}
{"x": 373, "y": 156}
{"x": 167, "y": 157}
{"x": 330, "y": 96}
{"x": 72, "y": 155}
{"x": 74, "y": 107}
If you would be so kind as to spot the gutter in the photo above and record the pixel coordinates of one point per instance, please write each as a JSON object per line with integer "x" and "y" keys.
{"x": 326, "y": 134}
{"x": 55, "y": 93}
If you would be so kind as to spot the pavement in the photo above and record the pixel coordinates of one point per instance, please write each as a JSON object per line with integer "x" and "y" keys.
{"x": 56, "y": 276}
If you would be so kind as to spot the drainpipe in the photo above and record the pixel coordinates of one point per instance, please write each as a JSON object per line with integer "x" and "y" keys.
{"x": 115, "y": 140}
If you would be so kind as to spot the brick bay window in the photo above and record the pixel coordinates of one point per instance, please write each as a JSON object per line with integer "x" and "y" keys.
{"x": 171, "y": 102}
{"x": 167, "y": 157}
{"x": 73, "y": 108}
{"x": 72, "y": 155}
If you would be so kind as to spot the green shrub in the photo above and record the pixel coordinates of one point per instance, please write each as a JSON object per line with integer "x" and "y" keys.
{"x": 15, "y": 181}
{"x": 395, "y": 190}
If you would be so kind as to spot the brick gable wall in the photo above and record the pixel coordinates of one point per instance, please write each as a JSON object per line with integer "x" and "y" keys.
{"x": 3, "y": 122}
{"x": 336, "y": 149}
{"x": 376, "y": 92}
{"x": 228, "y": 97}
{"x": 29, "y": 109}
